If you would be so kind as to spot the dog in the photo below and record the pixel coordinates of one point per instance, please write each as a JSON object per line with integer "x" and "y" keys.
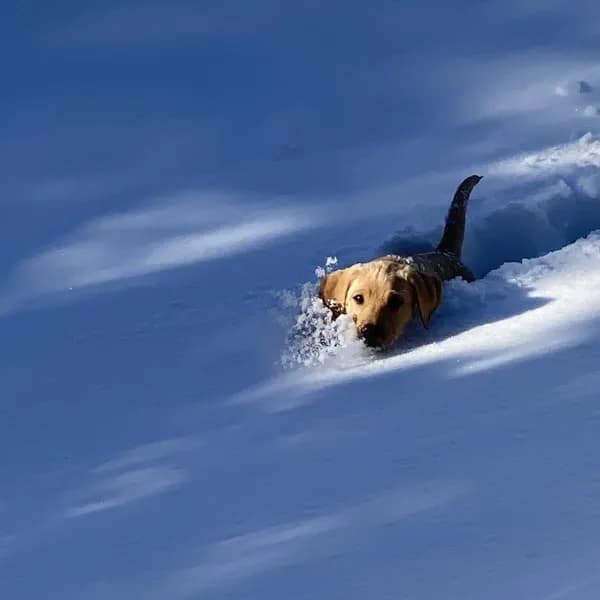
{"x": 382, "y": 296}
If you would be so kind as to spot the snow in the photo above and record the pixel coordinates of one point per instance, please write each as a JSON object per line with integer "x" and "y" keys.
{"x": 180, "y": 419}
{"x": 516, "y": 313}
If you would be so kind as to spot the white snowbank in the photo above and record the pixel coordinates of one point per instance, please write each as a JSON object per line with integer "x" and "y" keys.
{"x": 527, "y": 205}
{"x": 518, "y": 312}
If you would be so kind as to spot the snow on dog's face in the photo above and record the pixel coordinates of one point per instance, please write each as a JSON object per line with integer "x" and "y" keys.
{"x": 381, "y": 297}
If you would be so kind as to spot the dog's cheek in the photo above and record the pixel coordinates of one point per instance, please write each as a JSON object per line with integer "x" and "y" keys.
{"x": 399, "y": 326}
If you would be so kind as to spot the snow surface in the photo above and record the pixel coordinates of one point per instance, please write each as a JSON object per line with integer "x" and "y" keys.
{"x": 180, "y": 420}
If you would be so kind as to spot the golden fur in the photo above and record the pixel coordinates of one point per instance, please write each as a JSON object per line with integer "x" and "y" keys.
{"x": 382, "y": 297}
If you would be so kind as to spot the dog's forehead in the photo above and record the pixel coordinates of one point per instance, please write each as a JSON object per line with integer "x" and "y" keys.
{"x": 380, "y": 274}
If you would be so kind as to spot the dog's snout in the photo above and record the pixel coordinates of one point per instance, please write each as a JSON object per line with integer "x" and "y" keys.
{"x": 368, "y": 329}
{"x": 370, "y": 334}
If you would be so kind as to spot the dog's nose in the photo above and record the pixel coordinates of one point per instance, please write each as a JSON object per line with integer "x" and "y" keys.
{"x": 370, "y": 334}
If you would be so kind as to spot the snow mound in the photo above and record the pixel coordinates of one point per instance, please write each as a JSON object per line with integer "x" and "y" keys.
{"x": 529, "y": 205}
{"x": 313, "y": 338}
{"x": 518, "y": 312}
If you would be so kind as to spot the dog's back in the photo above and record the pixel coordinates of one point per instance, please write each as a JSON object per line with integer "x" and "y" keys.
{"x": 445, "y": 261}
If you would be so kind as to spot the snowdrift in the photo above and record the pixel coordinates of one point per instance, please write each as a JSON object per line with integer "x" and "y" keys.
{"x": 517, "y": 312}
{"x": 483, "y": 438}
{"x": 169, "y": 171}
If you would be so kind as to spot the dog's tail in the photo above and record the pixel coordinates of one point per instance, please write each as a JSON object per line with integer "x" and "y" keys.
{"x": 454, "y": 231}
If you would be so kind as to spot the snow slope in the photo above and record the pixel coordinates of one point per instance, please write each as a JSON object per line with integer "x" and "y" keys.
{"x": 518, "y": 312}
{"x": 173, "y": 178}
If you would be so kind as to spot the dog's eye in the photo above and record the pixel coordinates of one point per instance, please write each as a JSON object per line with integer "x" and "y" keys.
{"x": 395, "y": 301}
{"x": 359, "y": 299}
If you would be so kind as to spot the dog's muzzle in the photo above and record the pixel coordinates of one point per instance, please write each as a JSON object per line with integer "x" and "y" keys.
{"x": 371, "y": 335}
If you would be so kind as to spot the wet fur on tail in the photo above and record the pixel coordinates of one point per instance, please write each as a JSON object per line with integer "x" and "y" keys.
{"x": 454, "y": 231}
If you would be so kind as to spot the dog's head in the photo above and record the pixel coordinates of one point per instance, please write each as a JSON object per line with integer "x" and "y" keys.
{"x": 381, "y": 297}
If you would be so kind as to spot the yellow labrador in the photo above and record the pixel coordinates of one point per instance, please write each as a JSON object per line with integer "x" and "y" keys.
{"x": 382, "y": 296}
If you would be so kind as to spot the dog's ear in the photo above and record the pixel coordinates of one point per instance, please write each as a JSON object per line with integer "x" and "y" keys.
{"x": 334, "y": 288}
{"x": 428, "y": 292}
